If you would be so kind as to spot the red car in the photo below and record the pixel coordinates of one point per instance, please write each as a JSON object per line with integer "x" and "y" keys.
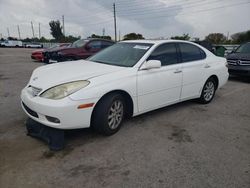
{"x": 80, "y": 49}
{"x": 38, "y": 54}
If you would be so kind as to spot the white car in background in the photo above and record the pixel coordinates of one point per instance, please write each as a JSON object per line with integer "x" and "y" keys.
{"x": 33, "y": 45}
{"x": 11, "y": 43}
{"x": 126, "y": 79}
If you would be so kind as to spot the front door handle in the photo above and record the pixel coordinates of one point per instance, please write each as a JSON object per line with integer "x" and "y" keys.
{"x": 177, "y": 71}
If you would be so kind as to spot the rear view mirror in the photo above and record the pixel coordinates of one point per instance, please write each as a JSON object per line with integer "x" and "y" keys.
{"x": 151, "y": 64}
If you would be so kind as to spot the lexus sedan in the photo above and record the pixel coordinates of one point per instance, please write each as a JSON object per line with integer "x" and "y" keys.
{"x": 126, "y": 79}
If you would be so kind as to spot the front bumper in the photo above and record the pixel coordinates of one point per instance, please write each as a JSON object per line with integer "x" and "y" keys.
{"x": 42, "y": 110}
{"x": 239, "y": 70}
{"x": 37, "y": 57}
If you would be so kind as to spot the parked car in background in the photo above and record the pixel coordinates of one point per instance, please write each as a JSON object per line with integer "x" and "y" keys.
{"x": 11, "y": 43}
{"x": 80, "y": 49}
{"x": 33, "y": 45}
{"x": 126, "y": 79}
{"x": 38, "y": 54}
{"x": 239, "y": 61}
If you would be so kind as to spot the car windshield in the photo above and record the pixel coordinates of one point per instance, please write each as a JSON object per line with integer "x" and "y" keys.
{"x": 245, "y": 48}
{"x": 122, "y": 54}
{"x": 79, "y": 43}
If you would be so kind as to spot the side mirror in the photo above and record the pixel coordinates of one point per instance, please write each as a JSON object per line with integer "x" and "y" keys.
{"x": 151, "y": 64}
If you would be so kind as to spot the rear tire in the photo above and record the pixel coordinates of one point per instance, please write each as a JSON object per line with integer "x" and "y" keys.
{"x": 208, "y": 91}
{"x": 108, "y": 114}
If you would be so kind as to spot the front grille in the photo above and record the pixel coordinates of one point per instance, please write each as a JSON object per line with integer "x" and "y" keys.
{"x": 238, "y": 62}
{"x": 31, "y": 112}
{"x": 35, "y": 90}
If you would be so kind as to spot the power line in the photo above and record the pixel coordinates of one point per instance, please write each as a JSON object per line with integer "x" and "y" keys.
{"x": 203, "y": 10}
{"x": 166, "y": 9}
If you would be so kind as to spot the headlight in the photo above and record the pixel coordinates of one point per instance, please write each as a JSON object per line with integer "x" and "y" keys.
{"x": 63, "y": 90}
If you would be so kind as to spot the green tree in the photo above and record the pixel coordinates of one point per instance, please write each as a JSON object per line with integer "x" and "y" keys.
{"x": 56, "y": 30}
{"x": 100, "y": 37}
{"x": 133, "y": 36}
{"x": 241, "y": 37}
{"x": 183, "y": 37}
{"x": 216, "y": 38}
{"x": 70, "y": 39}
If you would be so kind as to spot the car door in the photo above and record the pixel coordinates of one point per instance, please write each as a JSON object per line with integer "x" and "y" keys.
{"x": 160, "y": 86}
{"x": 194, "y": 70}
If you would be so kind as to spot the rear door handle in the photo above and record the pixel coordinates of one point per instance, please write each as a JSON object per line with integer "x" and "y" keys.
{"x": 177, "y": 71}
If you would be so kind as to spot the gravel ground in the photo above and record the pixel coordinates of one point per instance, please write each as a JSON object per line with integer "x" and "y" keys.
{"x": 184, "y": 145}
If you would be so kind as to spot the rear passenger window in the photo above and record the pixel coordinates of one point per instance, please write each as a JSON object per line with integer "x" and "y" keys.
{"x": 106, "y": 44}
{"x": 166, "y": 53}
{"x": 95, "y": 45}
{"x": 191, "y": 52}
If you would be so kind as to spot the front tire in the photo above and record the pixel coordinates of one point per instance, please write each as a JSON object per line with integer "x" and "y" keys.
{"x": 108, "y": 114}
{"x": 208, "y": 91}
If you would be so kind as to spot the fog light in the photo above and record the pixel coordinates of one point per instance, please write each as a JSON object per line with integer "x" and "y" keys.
{"x": 52, "y": 119}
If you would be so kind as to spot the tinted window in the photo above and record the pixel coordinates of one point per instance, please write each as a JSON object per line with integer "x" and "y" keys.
{"x": 106, "y": 44}
{"x": 95, "y": 45}
{"x": 191, "y": 52}
{"x": 79, "y": 43}
{"x": 122, "y": 54}
{"x": 245, "y": 48}
{"x": 166, "y": 53}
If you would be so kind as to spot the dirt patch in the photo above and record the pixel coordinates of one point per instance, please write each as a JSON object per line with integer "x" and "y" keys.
{"x": 2, "y": 77}
{"x": 58, "y": 154}
{"x": 101, "y": 171}
{"x": 180, "y": 135}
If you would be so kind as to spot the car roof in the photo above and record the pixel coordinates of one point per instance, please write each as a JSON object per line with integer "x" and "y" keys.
{"x": 156, "y": 41}
{"x": 91, "y": 39}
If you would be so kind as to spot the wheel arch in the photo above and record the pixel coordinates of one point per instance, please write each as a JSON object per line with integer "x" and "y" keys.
{"x": 128, "y": 101}
{"x": 216, "y": 79}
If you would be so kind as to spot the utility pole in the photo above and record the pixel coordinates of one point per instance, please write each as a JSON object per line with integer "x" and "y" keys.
{"x": 32, "y": 28}
{"x": 63, "y": 25}
{"x": 18, "y": 30}
{"x": 115, "y": 21}
{"x": 103, "y": 32}
{"x": 39, "y": 30}
{"x": 8, "y": 31}
{"x": 119, "y": 35}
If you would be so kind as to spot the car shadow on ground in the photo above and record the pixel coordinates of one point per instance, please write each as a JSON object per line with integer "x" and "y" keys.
{"x": 239, "y": 79}
{"x": 79, "y": 137}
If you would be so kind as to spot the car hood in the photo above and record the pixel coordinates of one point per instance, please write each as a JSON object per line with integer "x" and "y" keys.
{"x": 51, "y": 75}
{"x": 242, "y": 56}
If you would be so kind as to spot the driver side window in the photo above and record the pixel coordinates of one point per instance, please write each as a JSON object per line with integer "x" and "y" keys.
{"x": 166, "y": 53}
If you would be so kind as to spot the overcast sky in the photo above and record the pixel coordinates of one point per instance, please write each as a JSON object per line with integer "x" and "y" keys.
{"x": 152, "y": 18}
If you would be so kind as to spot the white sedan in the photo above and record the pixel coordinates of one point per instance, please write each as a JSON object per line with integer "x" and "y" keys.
{"x": 126, "y": 79}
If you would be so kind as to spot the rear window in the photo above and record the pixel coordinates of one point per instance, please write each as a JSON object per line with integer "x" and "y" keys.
{"x": 190, "y": 52}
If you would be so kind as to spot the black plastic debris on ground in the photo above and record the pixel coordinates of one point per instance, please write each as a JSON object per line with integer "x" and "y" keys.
{"x": 53, "y": 137}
